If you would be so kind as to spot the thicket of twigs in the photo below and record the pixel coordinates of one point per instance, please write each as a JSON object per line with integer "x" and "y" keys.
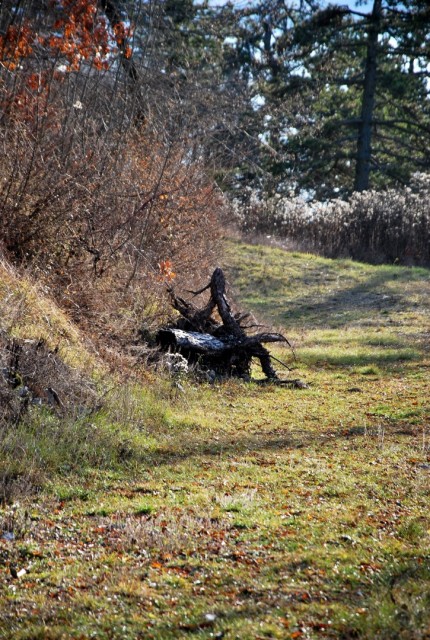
{"x": 391, "y": 226}
{"x": 103, "y": 201}
{"x": 102, "y": 194}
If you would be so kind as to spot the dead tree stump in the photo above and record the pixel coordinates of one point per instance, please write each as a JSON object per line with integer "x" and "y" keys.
{"x": 221, "y": 345}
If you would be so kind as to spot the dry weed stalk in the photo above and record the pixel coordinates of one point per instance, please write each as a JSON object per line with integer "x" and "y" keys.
{"x": 389, "y": 226}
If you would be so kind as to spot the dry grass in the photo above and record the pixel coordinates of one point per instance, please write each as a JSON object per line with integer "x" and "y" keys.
{"x": 390, "y": 226}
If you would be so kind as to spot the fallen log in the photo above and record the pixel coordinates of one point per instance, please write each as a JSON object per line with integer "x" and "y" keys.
{"x": 222, "y": 346}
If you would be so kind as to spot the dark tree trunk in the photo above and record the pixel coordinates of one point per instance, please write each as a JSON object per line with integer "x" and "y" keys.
{"x": 364, "y": 142}
{"x": 116, "y": 14}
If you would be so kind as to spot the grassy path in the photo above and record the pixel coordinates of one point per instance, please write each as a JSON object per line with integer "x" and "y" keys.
{"x": 254, "y": 512}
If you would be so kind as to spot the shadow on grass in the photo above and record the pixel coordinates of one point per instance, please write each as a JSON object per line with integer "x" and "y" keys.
{"x": 396, "y": 604}
{"x": 268, "y": 443}
{"x": 375, "y": 358}
{"x": 363, "y": 302}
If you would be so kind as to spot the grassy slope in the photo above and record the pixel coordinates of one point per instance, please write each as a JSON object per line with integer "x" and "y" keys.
{"x": 254, "y": 512}
{"x": 25, "y": 312}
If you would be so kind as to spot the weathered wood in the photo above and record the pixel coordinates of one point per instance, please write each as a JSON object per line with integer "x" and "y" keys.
{"x": 218, "y": 296}
{"x": 202, "y": 342}
{"x": 265, "y": 337}
{"x": 222, "y": 346}
{"x": 198, "y": 319}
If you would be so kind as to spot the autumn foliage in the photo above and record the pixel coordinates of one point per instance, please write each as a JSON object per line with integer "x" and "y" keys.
{"x": 75, "y": 31}
{"x": 103, "y": 208}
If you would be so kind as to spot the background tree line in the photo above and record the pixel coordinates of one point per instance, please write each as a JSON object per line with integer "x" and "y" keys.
{"x": 339, "y": 97}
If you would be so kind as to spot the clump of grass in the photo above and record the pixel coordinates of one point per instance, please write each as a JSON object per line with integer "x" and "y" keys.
{"x": 239, "y": 502}
{"x": 143, "y": 510}
{"x": 28, "y": 313}
{"x": 412, "y": 530}
{"x": 69, "y": 493}
{"x": 44, "y": 443}
{"x": 369, "y": 370}
{"x": 167, "y": 532}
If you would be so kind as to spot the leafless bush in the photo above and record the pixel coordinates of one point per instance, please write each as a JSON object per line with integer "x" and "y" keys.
{"x": 101, "y": 195}
{"x": 391, "y": 226}
{"x": 113, "y": 211}
{"x": 37, "y": 374}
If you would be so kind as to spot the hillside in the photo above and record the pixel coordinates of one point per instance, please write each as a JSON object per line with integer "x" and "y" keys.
{"x": 235, "y": 510}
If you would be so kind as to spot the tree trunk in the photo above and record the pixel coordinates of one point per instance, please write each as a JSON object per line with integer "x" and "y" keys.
{"x": 364, "y": 142}
{"x": 116, "y": 14}
{"x": 191, "y": 341}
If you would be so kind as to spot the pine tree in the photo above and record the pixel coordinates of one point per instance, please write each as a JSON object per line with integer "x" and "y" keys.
{"x": 342, "y": 94}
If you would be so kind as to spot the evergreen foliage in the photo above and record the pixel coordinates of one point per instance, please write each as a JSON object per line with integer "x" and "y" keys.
{"x": 341, "y": 95}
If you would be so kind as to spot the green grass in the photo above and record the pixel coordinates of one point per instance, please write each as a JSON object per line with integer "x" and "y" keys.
{"x": 245, "y": 511}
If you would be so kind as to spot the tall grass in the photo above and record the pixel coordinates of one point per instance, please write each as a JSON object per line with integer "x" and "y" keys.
{"x": 43, "y": 444}
{"x": 388, "y": 226}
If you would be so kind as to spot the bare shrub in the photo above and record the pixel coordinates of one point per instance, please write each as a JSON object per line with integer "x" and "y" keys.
{"x": 390, "y": 226}
{"x": 90, "y": 225}
{"x": 38, "y": 374}
{"x": 102, "y": 197}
